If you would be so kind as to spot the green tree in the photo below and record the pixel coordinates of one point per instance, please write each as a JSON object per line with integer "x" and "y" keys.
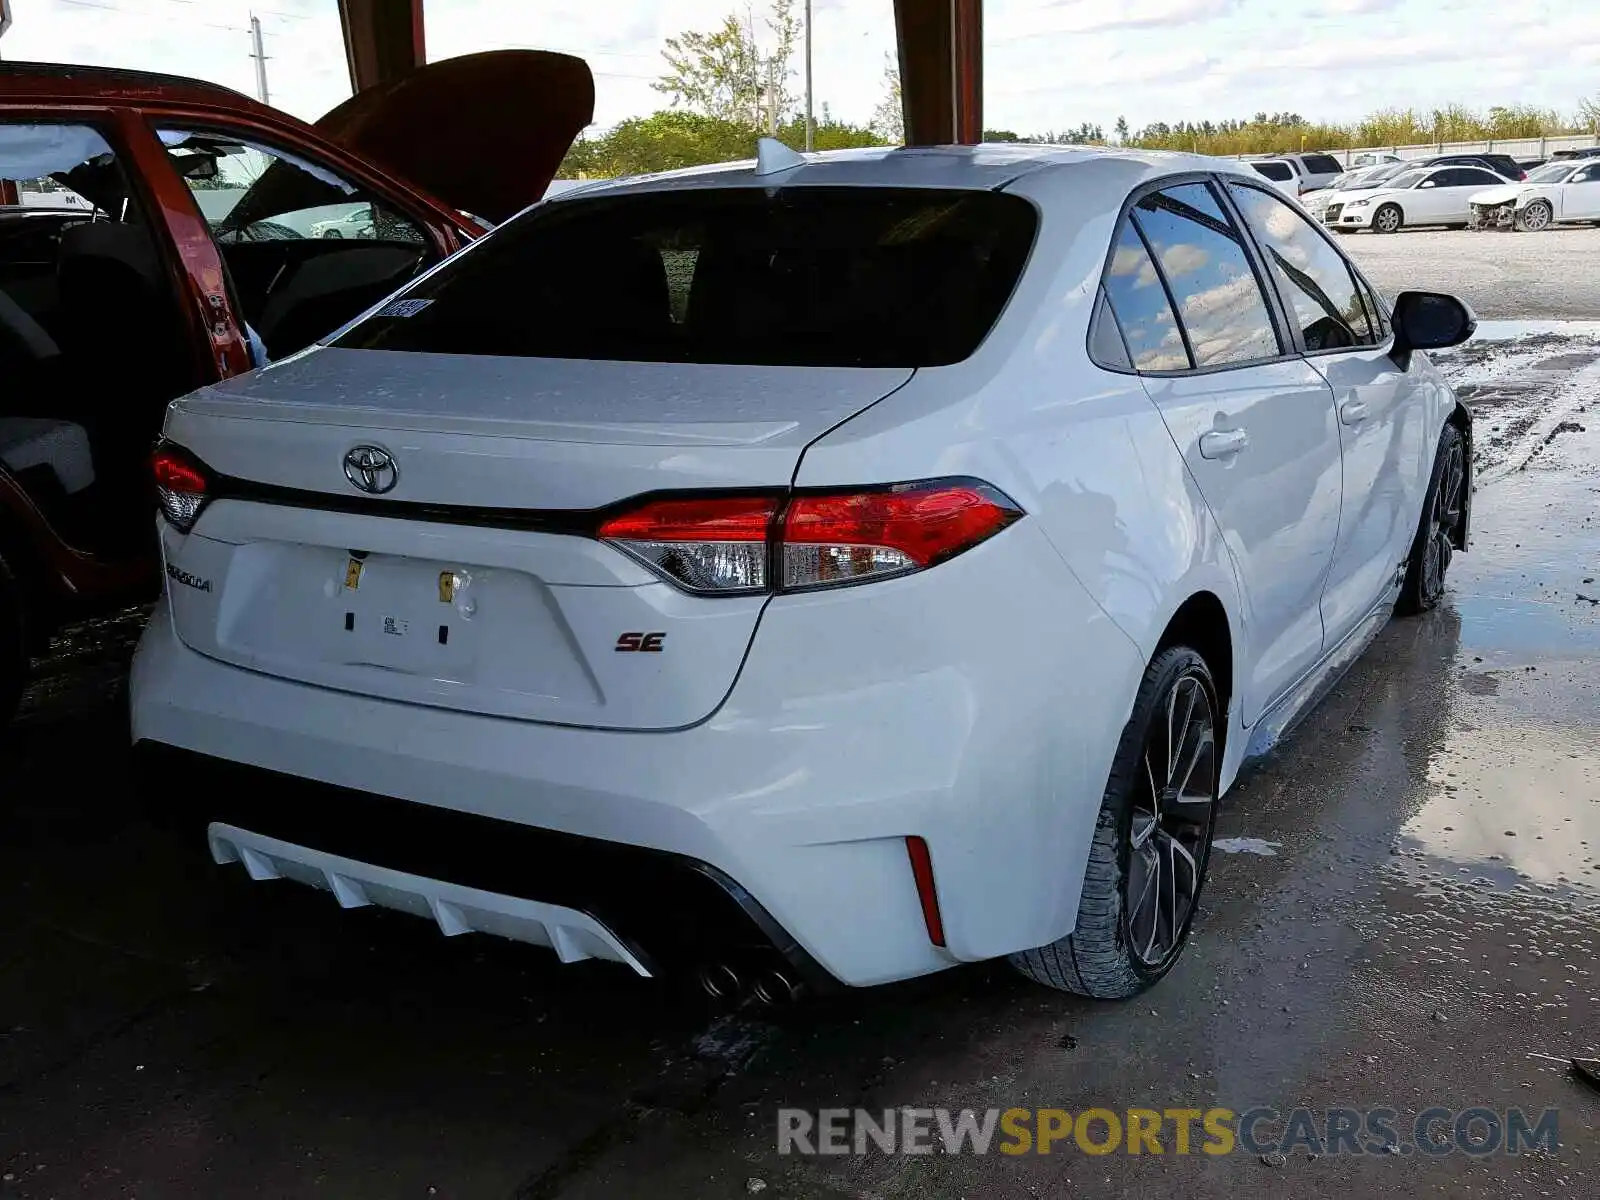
{"x": 725, "y": 75}
{"x": 1122, "y": 129}
{"x": 889, "y": 118}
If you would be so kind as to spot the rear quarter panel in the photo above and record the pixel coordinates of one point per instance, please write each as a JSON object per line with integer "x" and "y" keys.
{"x": 1087, "y": 456}
{"x": 1081, "y": 449}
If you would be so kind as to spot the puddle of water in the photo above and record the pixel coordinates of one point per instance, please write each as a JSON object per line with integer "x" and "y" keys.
{"x": 1515, "y": 806}
{"x": 1499, "y": 331}
{"x": 1247, "y": 845}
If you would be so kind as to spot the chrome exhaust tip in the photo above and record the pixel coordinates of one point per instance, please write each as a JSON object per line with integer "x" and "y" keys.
{"x": 774, "y": 988}
{"x": 719, "y": 981}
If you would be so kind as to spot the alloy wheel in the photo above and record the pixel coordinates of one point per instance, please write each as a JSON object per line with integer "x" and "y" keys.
{"x": 1170, "y": 823}
{"x": 1444, "y": 522}
{"x": 1536, "y": 217}
{"x": 1388, "y": 220}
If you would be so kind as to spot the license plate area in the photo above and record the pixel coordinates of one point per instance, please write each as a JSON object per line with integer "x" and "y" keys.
{"x": 406, "y": 614}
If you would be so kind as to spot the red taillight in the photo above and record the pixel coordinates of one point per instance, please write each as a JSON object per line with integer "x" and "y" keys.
{"x": 846, "y": 537}
{"x": 723, "y": 545}
{"x": 180, "y": 485}
{"x": 716, "y": 545}
{"x": 922, "y": 872}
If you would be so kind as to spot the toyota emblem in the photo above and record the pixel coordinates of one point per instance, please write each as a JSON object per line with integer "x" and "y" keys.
{"x": 372, "y": 469}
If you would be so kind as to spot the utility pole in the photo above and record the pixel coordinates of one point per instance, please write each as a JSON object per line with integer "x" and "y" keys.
{"x": 260, "y": 56}
{"x": 810, "y": 125}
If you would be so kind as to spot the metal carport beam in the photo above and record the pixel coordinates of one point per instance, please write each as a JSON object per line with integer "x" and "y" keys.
{"x": 940, "y": 45}
{"x": 941, "y": 70}
{"x": 383, "y": 39}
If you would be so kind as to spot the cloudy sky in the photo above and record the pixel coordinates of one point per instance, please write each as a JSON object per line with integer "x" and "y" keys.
{"x": 1050, "y": 63}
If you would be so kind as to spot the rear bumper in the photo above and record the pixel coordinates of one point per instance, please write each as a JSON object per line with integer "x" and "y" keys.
{"x": 976, "y": 706}
{"x": 653, "y": 911}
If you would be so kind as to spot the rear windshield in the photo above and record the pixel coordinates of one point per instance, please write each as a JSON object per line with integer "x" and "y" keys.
{"x": 1322, "y": 164}
{"x": 806, "y": 276}
{"x": 1279, "y": 171}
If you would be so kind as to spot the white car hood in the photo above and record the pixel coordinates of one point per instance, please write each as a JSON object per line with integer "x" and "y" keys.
{"x": 1498, "y": 195}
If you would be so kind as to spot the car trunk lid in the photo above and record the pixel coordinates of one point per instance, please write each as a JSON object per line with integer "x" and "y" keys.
{"x": 475, "y": 582}
{"x": 526, "y": 107}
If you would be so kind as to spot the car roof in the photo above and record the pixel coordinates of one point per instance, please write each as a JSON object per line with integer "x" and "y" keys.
{"x": 987, "y": 166}
{"x": 68, "y": 81}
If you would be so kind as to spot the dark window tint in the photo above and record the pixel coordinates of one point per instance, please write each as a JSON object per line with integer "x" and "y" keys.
{"x": 1106, "y": 346}
{"x": 1273, "y": 170}
{"x": 1204, "y": 262}
{"x": 1322, "y": 164}
{"x": 1143, "y": 311}
{"x": 1463, "y": 177}
{"x": 1312, "y": 277}
{"x": 1587, "y": 175}
{"x": 803, "y": 276}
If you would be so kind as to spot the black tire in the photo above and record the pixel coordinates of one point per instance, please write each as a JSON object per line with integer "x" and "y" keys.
{"x": 13, "y": 646}
{"x": 1536, "y": 217}
{"x": 332, "y": 233}
{"x": 1386, "y": 213}
{"x": 1099, "y": 958}
{"x": 1439, "y": 528}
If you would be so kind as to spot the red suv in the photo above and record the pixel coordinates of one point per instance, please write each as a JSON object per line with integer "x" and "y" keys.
{"x": 158, "y": 234}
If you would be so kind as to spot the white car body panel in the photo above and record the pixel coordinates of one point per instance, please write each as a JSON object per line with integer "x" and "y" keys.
{"x": 1576, "y": 198}
{"x": 799, "y": 738}
{"x": 1419, "y": 204}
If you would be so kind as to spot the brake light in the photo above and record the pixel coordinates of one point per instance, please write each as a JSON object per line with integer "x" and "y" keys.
{"x": 181, "y": 487}
{"x": 716, "y": 545}
{"x": 732, "y": 544}
{"x": 831, "y": 538}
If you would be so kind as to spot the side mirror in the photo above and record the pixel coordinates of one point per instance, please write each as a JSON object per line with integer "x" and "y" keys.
{"x": 1430, "y": 321}
{"x": 1427, "y": 183}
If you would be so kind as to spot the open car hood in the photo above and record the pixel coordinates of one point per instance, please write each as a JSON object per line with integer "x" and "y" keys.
{"x": 485, "y": 132}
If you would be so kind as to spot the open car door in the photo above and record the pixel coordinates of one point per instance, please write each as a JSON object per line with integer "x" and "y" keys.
{"x": 484, "y": 132}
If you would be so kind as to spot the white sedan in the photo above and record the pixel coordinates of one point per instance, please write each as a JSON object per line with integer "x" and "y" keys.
{"x": 791, "y": 572}
{"x": 1557, "y": 191}
{"x": 1421, "y": 196}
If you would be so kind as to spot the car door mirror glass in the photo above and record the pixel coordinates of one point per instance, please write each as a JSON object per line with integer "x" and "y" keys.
{"x": 1432, "y": 321}
{"x": 1427, "y": 183}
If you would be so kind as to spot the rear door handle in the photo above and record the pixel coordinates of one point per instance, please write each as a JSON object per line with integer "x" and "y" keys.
{"x": 1223, "y": 443}
{"x": 1352, "y": 412}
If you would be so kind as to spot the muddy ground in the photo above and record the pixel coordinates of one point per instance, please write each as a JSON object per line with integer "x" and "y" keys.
{"x": 1408, "y": 915}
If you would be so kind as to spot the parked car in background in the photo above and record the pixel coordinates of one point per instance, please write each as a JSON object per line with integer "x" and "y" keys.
{"x": 679, "y": 614}
{"x": 1563, "y": 191}
{"x": 1586, "y": 152}
{"x": 1311, "y": 171}
{"x": 355, "y": 224}
{"x": 113, "y": 304}
{"x": 1372, "y": 160}
{"x": 1360, "y": 180}
{"x": 1420, "y": 196}
{"x": 1502, "y": 165}
{"x": 1281, "y": 174}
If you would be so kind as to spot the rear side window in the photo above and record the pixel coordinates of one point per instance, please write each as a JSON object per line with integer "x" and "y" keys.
{"x": 1275, "y": 171}
{"x": 803, "y": 276}
{"x": 1311, "y": 275}
{"x": 1321, "y": 164}
{"x": 1208, "y": 271}
{"x": 1144, "y": 314}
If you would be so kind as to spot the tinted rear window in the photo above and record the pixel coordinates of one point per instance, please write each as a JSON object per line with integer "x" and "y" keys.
{"x": 804, "y": 276}
{"x": 1322, "y": 164}
{"x": 1272, "y": 170}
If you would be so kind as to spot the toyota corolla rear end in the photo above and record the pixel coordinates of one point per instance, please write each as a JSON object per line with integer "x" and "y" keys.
{"x": 504, "y": 608}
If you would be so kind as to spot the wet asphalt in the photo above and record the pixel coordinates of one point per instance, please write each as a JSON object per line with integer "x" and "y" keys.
{"x": 1407, "y": 915}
